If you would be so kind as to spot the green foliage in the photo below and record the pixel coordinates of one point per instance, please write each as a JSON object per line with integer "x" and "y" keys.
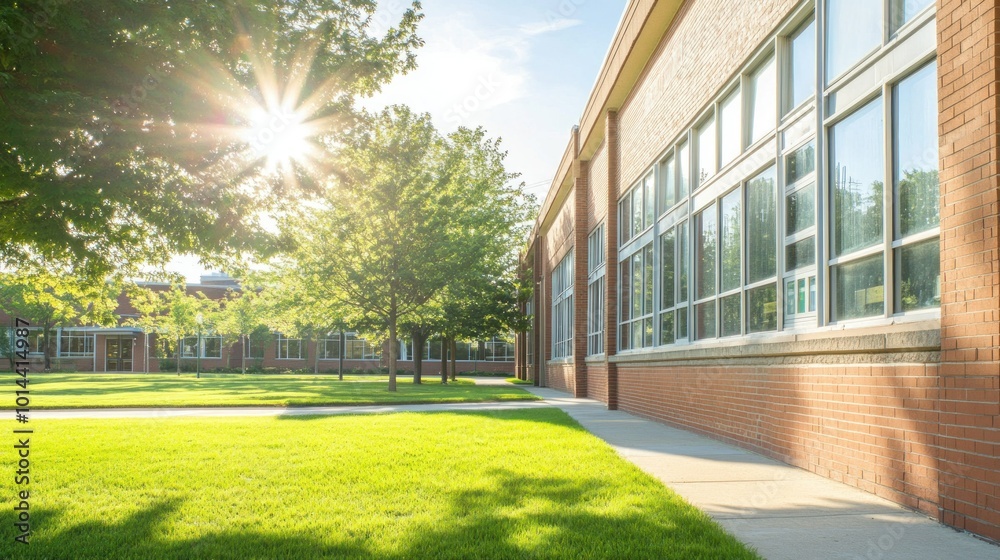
{"x": 497, "y": 485}
{"x": 48, "y": 300}
{"x": 124, "y": 124}
{"x": 173, "y": 314}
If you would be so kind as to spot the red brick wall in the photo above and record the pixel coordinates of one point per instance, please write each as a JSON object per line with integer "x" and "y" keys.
{"x": 597, "y": 194}
{"x": 597, "y": 382}
{"x": 688, "y": 70}
{"x": 968, "y": 99}
{"x": 561, "y": 376}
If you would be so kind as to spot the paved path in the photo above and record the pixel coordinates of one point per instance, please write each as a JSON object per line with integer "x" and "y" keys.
{"x": 785, "y": 512}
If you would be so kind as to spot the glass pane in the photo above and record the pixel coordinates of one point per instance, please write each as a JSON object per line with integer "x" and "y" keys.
{"x": 668, "y": 180}
{"x": 800, "y": 255}
{"x": 853, "y": 29}
{"x": 637, "y": 334}
{"x": 683, "y": 170}
{"x": 800, "y": 163}
{"x": 667, "y": 328}
{"x": 647, "y": 277}
{"x": 625, "y": 220}
{"x": 918, "y": 269}
{"x": 730, "y": 265}
{"x": 803, "y": 66}
{"x": 626, "y": 291}
{"x": 762, "y": 227}
{"x": 915, "y": 117}
{"x": 789, "y": 298}
{"x": 801, "y": 296}
{"x": 800, "y": 210}
{"x": 763, "y": 101}
{"x": 649, "y": 201}
{"x": 647, "y": 330}
{"x": 624, "y": 335}
{"x": 762, "y": 309}
{"x": 857, "y": 177}
{"x": 729, "y": 126}
{"x": 902, "y": 11}
{"x": 682, "y": 262}
{"x": 705, "y": 241}
{"x": 637, "y": 277}
{"x": 731, "y": 316}
{"x": 706, "y": 151}
{"x": 682, "y": 323}
{"x": 812, "y": 294}
{"x": 637, "y": 225}
{"x": 860, "y": 288}
{"x": 705, "y": 320}
{"x": 667, "y": 299}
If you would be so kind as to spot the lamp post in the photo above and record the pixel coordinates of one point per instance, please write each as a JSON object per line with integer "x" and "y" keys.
{"x": 199, "y": 319}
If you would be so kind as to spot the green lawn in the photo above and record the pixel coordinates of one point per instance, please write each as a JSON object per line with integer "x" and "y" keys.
{"x": 165, "y": 390}
{"x": 513, "y": 484}
{"x": 516, "y": 381}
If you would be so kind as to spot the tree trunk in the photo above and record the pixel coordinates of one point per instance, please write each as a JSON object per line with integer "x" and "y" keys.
{"x": 47, "y": 359}
{"x": 444, "y": 359}
{"x": 340, "y": 368}
{"x": 393, "y": 348}
{"x": 244, "y": 350}
{"x": 179, "y": 354}
{"x": 316, "y": 359}
{"x": 419, "y": 339}
{"x": 454, "y": 359}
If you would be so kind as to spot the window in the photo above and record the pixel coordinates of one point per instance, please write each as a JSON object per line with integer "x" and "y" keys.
{"x": 289, "y": 348}
{"x": 683, "y": 170}
{"x": 329, "y": 348}
{"x": 730, "y": 264}
{"x": 76, "y": 343}
{"x": 853, "y": 29}
{"x": 801, "y": 80}
{"x": 902, "y": 11}
{"x": 800, "y": 233}
{"x": 498, "y": 350}
{"x": 762, "y": 253}
{"x": 705, "y": 230}
{"x": 706, "y": 152}
{"x": 211, "y": 346}
{"x": 673, "y": 284}
{"x": 360, "y": 349}
{"x": 636, "y": 306}
{"x": 595, "y": 292}
{"x": 857, "y": 190}
{"x": 763, "y": 101}
{"x": 730, "y": 120}
{"x": 916, "y": 195}
{"x": 562, "y": 308}
{"x": 637, "y": 209}
{"x": 668, "y": 184}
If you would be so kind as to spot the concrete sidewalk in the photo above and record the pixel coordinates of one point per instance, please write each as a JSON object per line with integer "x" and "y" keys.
{"x": 786, "y": 513}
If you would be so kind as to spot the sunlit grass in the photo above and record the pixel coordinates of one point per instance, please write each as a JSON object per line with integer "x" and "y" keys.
{"x": 514, "y": 484}
{"x": 165, "y": 390}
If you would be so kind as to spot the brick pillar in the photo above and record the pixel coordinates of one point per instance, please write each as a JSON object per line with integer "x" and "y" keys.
{"x": 969, "y": 103}
{"x": 542, "y": 298}
{"x": 611, "y": 259}
{"x": 580, "y": 265}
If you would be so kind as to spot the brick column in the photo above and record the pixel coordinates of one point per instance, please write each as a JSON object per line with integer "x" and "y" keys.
{"x": 969, "y": 407}
{"x": 580, "y": 265}
{"x": 611, "y": 258}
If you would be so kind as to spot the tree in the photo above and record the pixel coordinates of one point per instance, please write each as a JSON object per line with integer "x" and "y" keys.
{"x": 130, "y": 130}
{"x": 48, "y": 301}
{"x": 173, "y": 315}
{"x": 409, "y": 211}
{"x": 241, "y": 316}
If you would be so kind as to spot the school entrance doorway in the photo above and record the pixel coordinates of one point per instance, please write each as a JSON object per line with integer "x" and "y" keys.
{"x": 118, "y": 353}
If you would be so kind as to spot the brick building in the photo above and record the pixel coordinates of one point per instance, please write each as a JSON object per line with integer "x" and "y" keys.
{"x": 776, "y": 224}
{"x": 129, "y": 349}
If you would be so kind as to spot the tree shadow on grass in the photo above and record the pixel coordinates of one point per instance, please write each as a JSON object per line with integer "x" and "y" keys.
{"x": 514, "y": 517}
{"x": 138, "y": 538}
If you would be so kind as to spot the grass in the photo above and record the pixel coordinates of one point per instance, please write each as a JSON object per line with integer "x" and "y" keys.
{"x": 164, "y": 390}
{"x": 490, "y": 485}
{"x": 516, "y": 381}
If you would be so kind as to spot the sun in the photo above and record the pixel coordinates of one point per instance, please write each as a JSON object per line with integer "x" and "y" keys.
{"x": 280, "y": 137}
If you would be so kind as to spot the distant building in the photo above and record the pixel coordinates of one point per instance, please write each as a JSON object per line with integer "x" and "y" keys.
{"x": 129, "y": 349}
{"x": 776, "y": 224}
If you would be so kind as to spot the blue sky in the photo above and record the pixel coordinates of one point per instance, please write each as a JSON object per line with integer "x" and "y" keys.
{"x": 523, "y": 69}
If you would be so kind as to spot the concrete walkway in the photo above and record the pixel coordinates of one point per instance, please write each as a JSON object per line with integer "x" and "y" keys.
{"x": 786, "y": 513}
